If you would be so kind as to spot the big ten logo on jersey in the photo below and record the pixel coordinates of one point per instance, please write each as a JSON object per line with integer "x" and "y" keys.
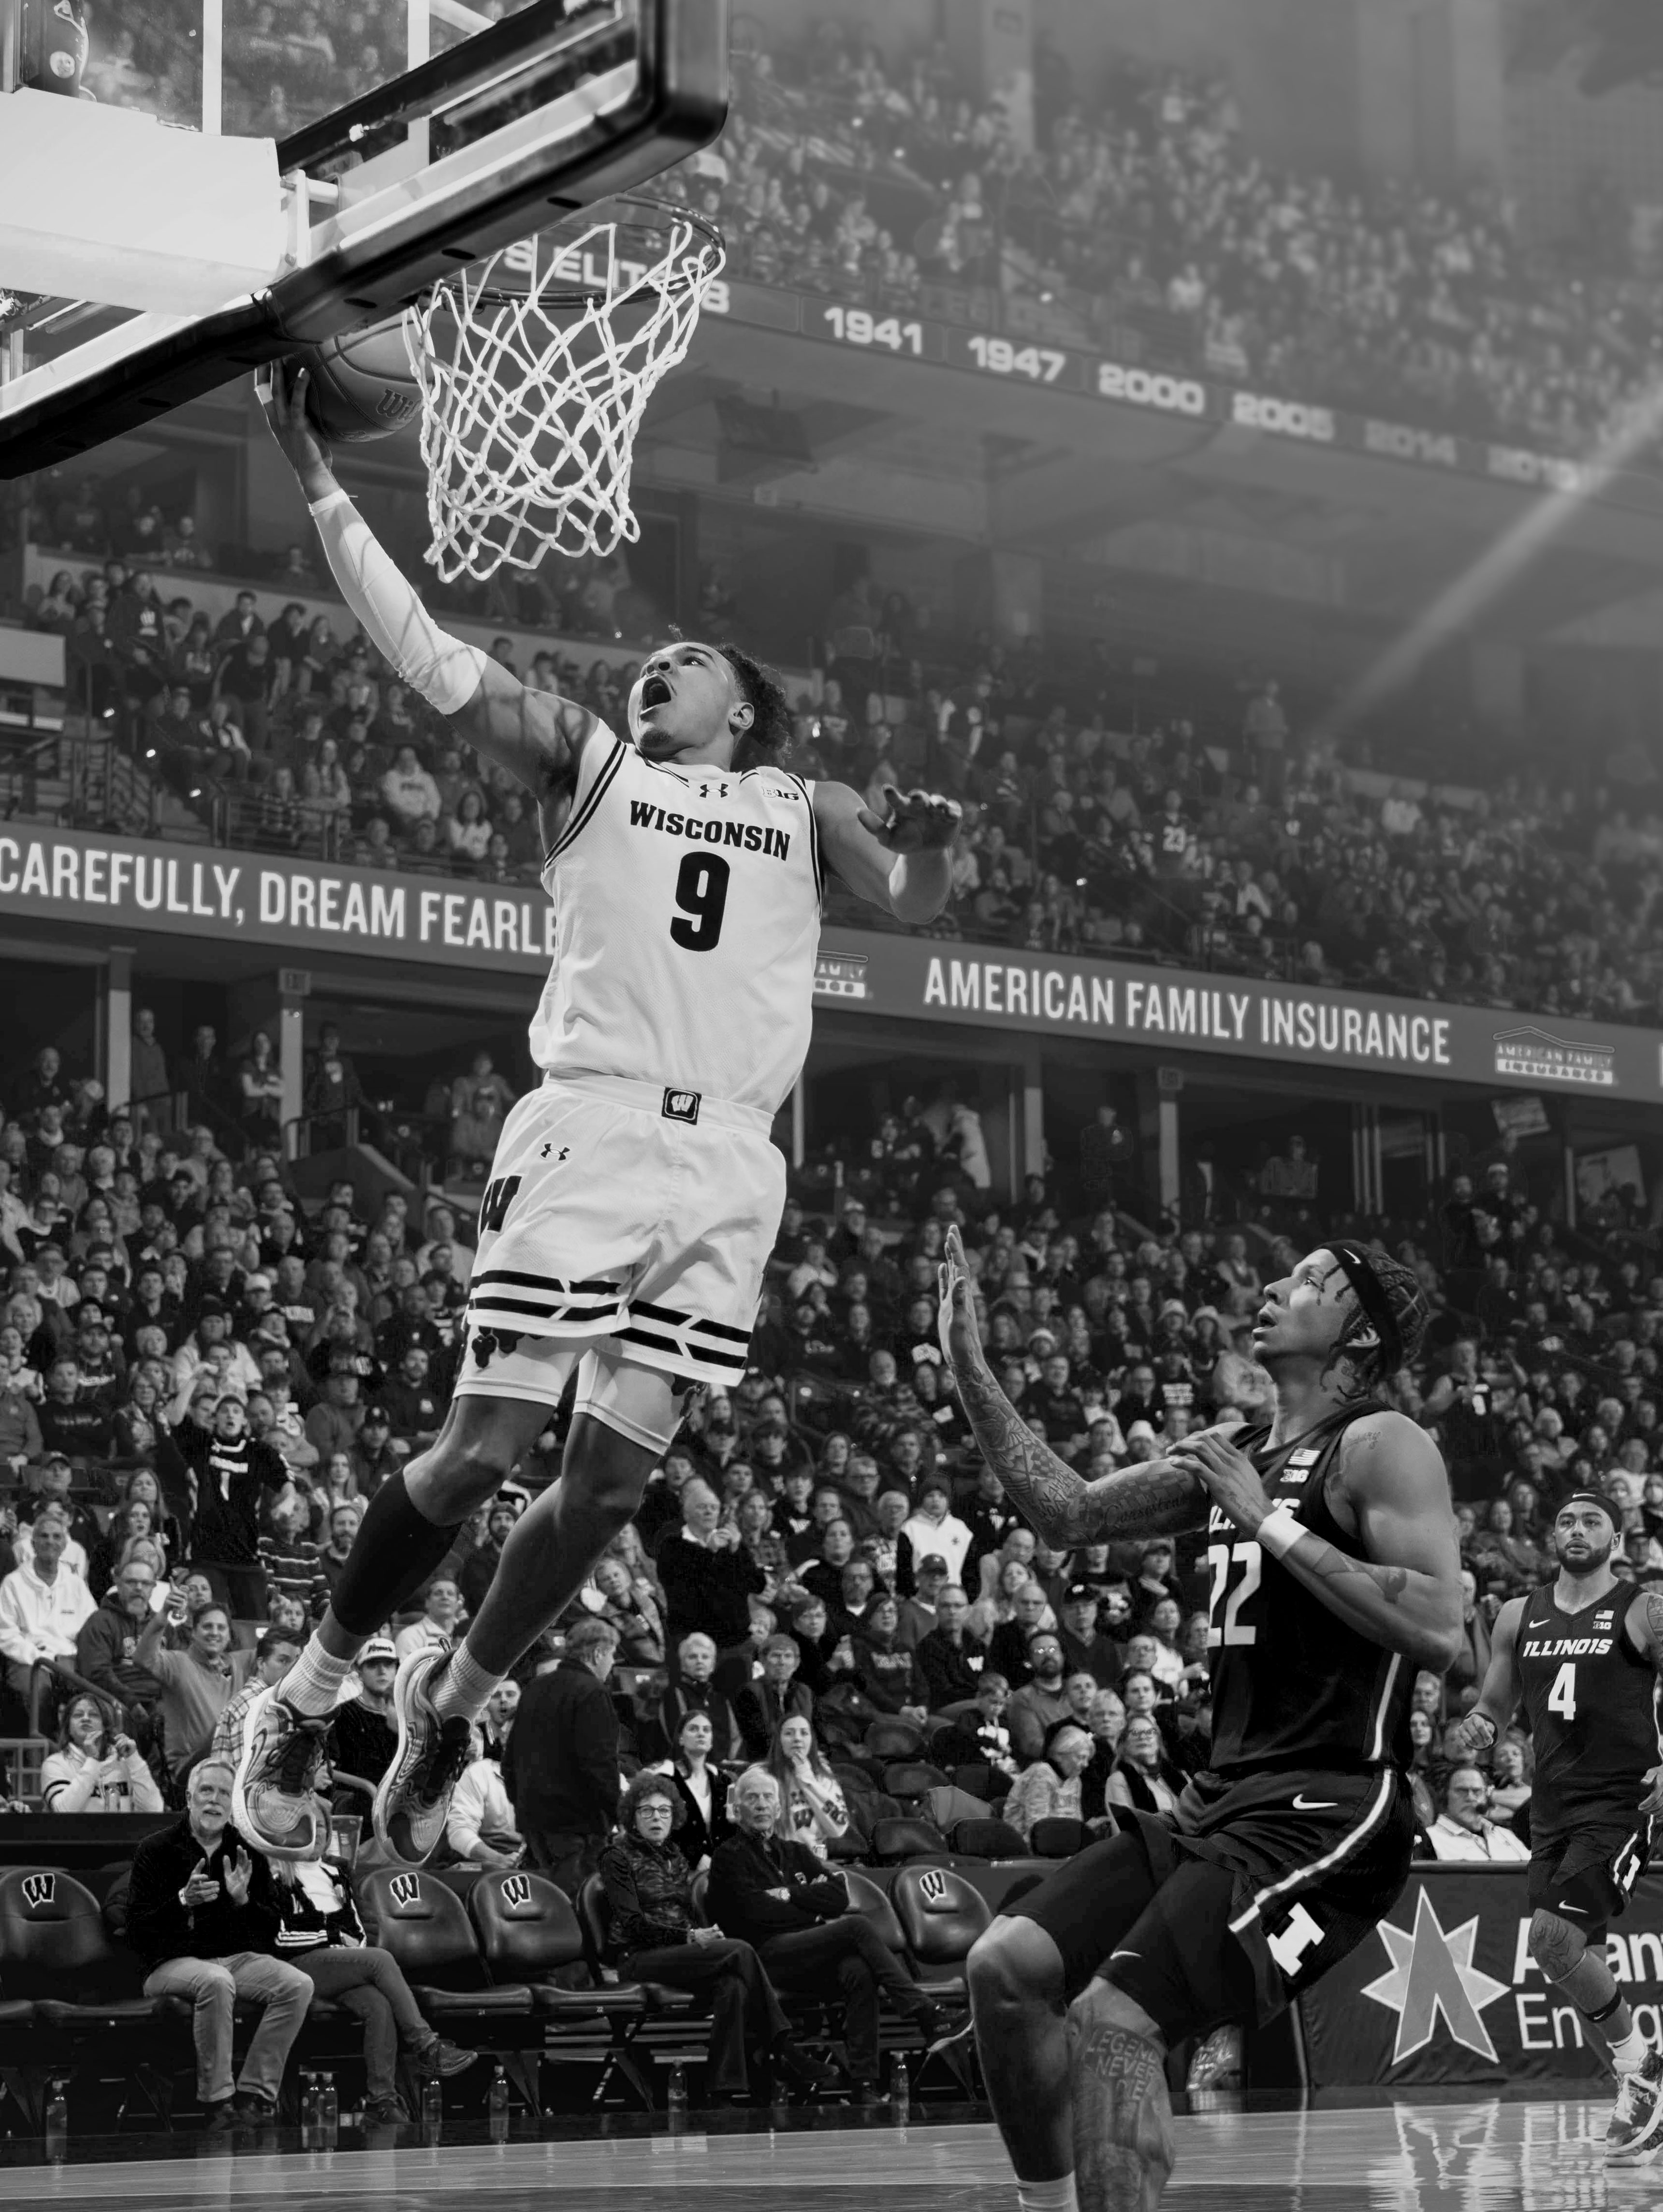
{"x": 1298, "y": 1468}
{"x": 499, "y": 1197}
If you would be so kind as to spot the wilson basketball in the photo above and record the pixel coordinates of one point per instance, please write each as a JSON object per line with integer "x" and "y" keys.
{"x": 361, "y": 385}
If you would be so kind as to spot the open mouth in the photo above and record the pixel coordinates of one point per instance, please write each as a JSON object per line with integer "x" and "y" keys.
{"x": 655, "y": 692}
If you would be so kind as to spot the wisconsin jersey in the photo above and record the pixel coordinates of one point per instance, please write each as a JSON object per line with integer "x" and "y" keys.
{"x": 1292, "y": 1685}
{"x": 687, "y": 923}
{"x": 1590, "y": 1695}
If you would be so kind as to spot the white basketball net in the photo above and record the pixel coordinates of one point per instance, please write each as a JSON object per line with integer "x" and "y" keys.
{"x": 530, "y": 401}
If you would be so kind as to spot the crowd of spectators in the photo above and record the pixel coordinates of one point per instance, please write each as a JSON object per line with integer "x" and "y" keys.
{"x": 1238, "y": 846}
{"x": 201, "y": 1381}
{"x": 1141, "y": 216}
{"x": 1144, "y": 218}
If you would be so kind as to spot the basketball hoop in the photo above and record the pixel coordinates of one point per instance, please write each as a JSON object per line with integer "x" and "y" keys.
{"x": 535, "y": 374}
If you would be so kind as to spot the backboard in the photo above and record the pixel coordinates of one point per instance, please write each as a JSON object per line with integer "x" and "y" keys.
{"x": 411, "y": 137}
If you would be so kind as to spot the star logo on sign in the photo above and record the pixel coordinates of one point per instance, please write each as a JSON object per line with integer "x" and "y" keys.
{"x": 1432, "y": 1972}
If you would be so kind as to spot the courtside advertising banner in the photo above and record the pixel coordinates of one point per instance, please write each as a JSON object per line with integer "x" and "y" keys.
{"x": 1445, "y": 1989}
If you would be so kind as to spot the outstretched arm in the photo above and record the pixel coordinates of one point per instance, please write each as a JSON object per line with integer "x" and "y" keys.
{"x": 1650, "y": 1639}
{"x": 1063, "y": 1509}
{"x": 1404, "y": 1593}
{"x": 1498, "y": 1700}
{"x": 903, "y": 863}
{"x": 537, "y": 736}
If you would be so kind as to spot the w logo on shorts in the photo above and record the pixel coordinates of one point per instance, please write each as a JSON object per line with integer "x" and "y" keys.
{"x": 933, "y": 1885}
{"x": 516, "y": 1889}
{"x": 682, "y": 1105}
{"x": 405, "y": 1890}
{"x": 38, "y": 1889}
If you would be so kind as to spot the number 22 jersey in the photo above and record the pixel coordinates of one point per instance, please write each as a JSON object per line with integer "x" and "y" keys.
{"x": 687, "y": 922}
{"x": 1590, "y": 1695}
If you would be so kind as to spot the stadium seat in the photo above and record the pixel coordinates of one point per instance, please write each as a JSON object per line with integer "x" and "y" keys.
{"x": 871, "y": 1899}
{"x": 988, "y": 1839}
{"x": 894, "y": 1841}
{"x": 425, "y": 1925}
{"x": 910, "y": 1777}
{"x": 892, "y": 1739}
{"x": 941, "y": 1913}
{"x": 1057, "y": 1839}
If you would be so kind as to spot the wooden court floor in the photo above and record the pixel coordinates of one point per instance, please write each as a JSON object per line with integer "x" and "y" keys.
{"x": 1472, "y": 2157}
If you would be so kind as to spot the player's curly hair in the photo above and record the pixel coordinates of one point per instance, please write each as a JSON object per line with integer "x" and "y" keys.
{"x": 766, "y": 743}
{"x": 1411, "y": 1312}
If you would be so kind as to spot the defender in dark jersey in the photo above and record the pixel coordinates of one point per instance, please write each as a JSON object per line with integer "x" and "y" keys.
{"x": 1582, "y": 1654}
{"x": 1335, "y": 1575}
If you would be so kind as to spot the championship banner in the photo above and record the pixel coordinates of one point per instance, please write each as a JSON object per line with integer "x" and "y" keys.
{"x": 1445, "y": 1989}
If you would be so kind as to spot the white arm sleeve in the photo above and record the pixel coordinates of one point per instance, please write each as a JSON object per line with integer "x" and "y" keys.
{"x": 445, "y": 671}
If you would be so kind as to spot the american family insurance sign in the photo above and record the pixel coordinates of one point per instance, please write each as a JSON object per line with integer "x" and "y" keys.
{"x": 74, "y": 878}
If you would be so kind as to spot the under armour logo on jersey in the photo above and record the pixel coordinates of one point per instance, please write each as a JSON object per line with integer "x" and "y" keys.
{"x": 516, "y": 1889}
{"x": 38, "y": 1889}
{"x": 682, "y": 1105}
{"x": 565, "y": 1152}
{"x": 720, "y": 790}
{"x": 933, "y": 1885}
{"x": 405, "y": 1889}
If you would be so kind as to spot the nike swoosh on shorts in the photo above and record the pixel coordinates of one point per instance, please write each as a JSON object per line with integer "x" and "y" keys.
{"x": 1316, "y": 1804}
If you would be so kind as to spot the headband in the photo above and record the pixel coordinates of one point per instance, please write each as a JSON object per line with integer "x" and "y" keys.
{"x": 1588, "y": 1498}
{"x": 1371, "y": 1296}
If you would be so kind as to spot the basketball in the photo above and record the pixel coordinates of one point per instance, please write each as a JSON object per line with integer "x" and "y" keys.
{"x": 361, "y": 385}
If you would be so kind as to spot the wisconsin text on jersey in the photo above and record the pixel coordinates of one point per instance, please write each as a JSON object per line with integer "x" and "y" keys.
{"x": 747, "y": 836}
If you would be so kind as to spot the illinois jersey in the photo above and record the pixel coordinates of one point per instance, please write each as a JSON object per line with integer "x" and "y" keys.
{"x": 1590, "y": 1695}
{"x": 687, "y": 923}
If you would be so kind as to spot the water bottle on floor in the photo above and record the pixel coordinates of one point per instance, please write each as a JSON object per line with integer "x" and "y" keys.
{"x": 496, "y": 2106}
{"x": 676, "y": 2099}
{"x": 57, "y": 2122}
{"x": 901, "y": 2089}
{"x": 309, "y": 2111}
{"x": 329, "y": 2114}
{"x": 432, "y": 2108}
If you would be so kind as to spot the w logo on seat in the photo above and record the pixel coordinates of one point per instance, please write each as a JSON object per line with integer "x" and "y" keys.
{"x": 405, "y": 1889}
{"x": 38, "y": 1889}
{"x": 516, "y": 1889}
{"x": 933, "y": 1885}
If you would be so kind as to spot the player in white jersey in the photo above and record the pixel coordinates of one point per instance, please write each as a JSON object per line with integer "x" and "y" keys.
{"x": 634, "y": 1197}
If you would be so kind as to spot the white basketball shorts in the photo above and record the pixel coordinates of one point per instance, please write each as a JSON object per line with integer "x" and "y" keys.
{"x": 617, "y": 1211}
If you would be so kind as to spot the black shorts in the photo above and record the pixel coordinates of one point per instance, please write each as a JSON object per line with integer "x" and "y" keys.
{"x": 1586, "y": 1878}
{"x": 1267, "y": 1882}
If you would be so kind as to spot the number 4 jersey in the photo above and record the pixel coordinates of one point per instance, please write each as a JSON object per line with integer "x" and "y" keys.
{"x": 686, "y": 920}
{"x": 1589, "y": 1693}
{"x": 1292, "y": 1685}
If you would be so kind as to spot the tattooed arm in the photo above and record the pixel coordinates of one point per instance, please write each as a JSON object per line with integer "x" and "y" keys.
{"x": 1062, "y": 1508}
{"x": 1404, "y": 1593}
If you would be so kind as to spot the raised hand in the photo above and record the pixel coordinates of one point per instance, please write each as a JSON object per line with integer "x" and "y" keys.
{"x": 918, "y": 821}
{"x": 956, "y": 1322}
{"x": 239, "y": 1873}
{"x": 280, "y": 391}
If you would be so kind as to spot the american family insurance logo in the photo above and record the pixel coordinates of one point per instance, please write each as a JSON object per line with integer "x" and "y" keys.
{"x": 1542, "y": 1058}
{"x": 840, "y": 975}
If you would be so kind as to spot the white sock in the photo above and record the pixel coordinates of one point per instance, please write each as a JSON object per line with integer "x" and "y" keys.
{"x": 312, "y": 1684}
{"x": 1626, "y": 2055}
{"x": 463, "y": 1687}
{"x": 1047, "y": 2195}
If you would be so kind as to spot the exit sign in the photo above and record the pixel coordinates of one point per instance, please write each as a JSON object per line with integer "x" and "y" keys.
{"x": 294, "y": 983}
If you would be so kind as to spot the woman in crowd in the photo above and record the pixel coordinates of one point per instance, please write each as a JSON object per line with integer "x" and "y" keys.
{"x": 133, "y": 1520}
{"x": 468, "y": 832}
{"x": 93, "y": 1770}
{"x": 1107, "y": 1720}
{"x": 260, "y": 1088}
{"x": 1144, "y": 1778}
{"x": 812, "y": 1808}
{"x": 1050, "y": 1789}
{"x": 657, "y": 1937}
{"x": 1001, "y": 1581}
{"x": 1505, "y": 1550}
{"x": 1509, "y": 1794}
{"x": 701, "y": 1787}
{"x": 887, "y": 1668}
